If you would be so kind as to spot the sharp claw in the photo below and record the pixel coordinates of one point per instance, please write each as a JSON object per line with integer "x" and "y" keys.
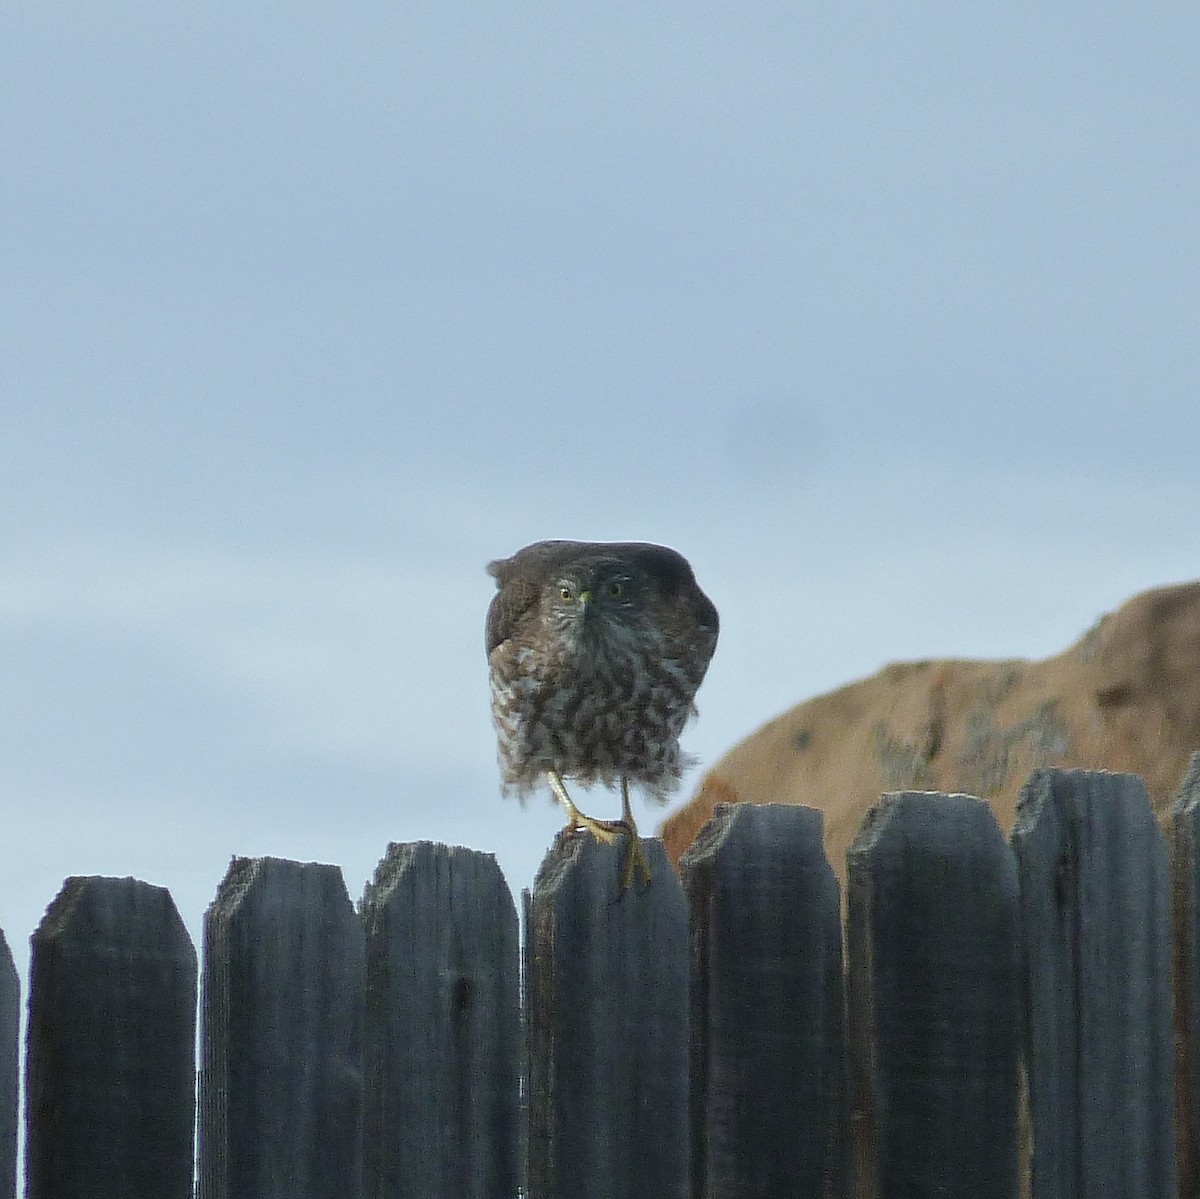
{"x": 608, "y": 831}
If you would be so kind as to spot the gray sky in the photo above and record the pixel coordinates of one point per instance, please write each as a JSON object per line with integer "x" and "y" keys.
{"x": 887, "y": 319}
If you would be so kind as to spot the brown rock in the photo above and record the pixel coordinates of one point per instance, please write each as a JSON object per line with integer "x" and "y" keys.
{"x": 1126, "y": 696}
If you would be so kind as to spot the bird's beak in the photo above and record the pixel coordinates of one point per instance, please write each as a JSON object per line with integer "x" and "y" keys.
{"x": 585, "y": 602}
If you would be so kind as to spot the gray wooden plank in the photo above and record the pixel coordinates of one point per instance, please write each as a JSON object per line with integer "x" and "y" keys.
{"x": 606, "y": 984}
{"x": 10, "y": 1055}
{"x": 932, "y": 997}
{"x": 281, "y": 1047}
{"x": 1097, "y": 976}
{"x": 769, "y": 1094}
{"x": 110, "y": 1065}
{"x": 1185, "y": 918}
{"x": 443, "y": 1031}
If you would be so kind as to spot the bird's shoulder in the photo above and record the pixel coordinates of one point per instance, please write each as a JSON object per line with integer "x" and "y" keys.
{"x": 513, "y": 604}
{"x": 520, "y": 580}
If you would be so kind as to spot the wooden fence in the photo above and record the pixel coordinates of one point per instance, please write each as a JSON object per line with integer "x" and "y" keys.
{"x": 703, "y": 1040}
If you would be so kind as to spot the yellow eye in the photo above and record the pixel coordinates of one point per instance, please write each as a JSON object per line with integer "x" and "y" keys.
{"x": 564, "y": 593}
{"x": 615, "y": 589}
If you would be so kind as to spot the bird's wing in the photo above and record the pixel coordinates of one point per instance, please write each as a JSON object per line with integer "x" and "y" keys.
{"x": 513, "y": 600}
{"x": 519, "y": 580}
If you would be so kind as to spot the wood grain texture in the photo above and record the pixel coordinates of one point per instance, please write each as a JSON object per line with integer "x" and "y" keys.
{"x": 768, "y": 1056}
{"x": 1185, "y": 919}
{"x": 10, "y": 1058}
{"x": 443, "y": 1045}
{"x": 282, "y": 1020}
{"x": 607, "y": 1014}
{"x": 933, "y": 999}
{"x": 1097, "y": 975}
{"x": 112, "y": 1018}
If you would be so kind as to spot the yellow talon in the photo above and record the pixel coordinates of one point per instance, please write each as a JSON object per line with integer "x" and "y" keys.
{"x": 608, "y": 831}
{"x": 635, "y": 853}
{"x": 602, "y": 830}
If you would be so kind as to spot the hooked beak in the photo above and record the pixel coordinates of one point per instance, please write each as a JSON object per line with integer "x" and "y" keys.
{"x": 585, "y": 604}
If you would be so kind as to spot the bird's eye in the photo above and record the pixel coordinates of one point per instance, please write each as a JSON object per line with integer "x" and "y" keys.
{"x": 615, "y": 589}
{"x": 564, "y": 593}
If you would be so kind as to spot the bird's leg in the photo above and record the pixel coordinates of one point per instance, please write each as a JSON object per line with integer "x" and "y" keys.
{"x": 635, "y": 855}
{"x": 601, "y": 830}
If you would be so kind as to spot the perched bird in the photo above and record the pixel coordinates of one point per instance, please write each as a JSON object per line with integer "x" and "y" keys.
{"x": 596, "y": 651}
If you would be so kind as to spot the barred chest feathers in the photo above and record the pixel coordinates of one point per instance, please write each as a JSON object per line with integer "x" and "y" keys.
{"x": 593, "y": 709}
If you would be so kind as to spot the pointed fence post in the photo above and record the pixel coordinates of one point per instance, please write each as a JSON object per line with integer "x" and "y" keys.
{"x": 442, "y": 1044}
{"x": 110, "y": 1073}
{"x": 606, "y": 983}
{"x": 934, "y": 1027}
{"x": 769, "y": 1112}
{"x": 10, "y": 1016}
{"x": 1185, "y": 918}
{"x": 1097, "y": 974}
{"x": 281, "y": 1044}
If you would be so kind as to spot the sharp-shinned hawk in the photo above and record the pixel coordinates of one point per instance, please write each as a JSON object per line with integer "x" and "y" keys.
{"x": 596, "y": 651}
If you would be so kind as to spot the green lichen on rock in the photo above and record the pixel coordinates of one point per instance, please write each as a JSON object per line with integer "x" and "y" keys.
{"x": 986, "y": 761}
{"x": 903, "y": 764}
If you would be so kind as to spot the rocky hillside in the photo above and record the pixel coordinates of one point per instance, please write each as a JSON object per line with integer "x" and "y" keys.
{"x": 1125, "y": 696}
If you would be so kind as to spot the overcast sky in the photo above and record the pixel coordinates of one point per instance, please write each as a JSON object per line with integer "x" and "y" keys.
{"x": 886, "y": 317}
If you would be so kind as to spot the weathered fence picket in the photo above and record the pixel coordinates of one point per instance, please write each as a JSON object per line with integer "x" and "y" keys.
{"x": 1097, "y": 977}
{"x": 10, "y": 1058}
{"x": 606, "y": 983}
{"x": 281, "y": 1036}
{"x": 442, "y": 1044}
{"x": 932, "y": 996}
{"x": 768, "y": 1054}
{"x": 112, "y": 1019}
{"x": 1185, "y": 920}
